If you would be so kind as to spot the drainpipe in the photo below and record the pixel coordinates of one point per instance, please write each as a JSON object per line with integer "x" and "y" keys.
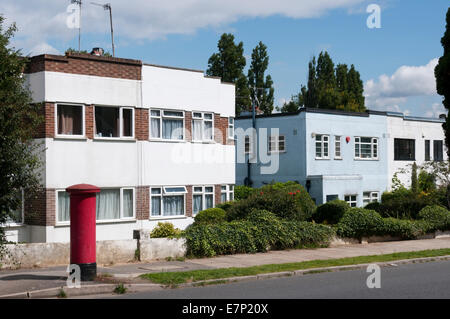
{"x": 249, "y": 181}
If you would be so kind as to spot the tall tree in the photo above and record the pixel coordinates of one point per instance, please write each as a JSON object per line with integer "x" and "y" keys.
{"x": 257, "y": 80}
{"x": 442, "y": 74}
{"x": 332, "y": 88}
{"x": 229, "y": 64}
{"x": 18, "y": 121}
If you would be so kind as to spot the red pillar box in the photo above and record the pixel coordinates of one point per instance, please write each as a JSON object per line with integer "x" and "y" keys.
{"x": 82, "y": 229}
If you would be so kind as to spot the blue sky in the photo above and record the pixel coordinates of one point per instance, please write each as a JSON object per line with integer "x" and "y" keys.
{"x": 395, "y": 61}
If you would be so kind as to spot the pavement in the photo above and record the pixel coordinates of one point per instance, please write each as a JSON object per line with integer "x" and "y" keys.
{"x": 46, "y": 282}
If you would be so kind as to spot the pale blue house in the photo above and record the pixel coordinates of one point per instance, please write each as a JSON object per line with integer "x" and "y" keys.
{"x": 334, "y": 154}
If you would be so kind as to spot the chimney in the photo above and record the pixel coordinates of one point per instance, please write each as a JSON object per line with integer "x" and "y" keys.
{"x": 97, "y": 51}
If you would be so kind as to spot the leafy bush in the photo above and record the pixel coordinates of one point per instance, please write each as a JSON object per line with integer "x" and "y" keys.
{"x": 376, "y": 206}
{"x": 165, "y": 230}
{"x": 331, "y": 212}
{"x": 262, "y": 231}
{"x": 437, "y": 216}
{"x": 289, "y": 202}
{"x": 405, "y": 229}
{"x": 359, "y": 222}
{"x": 225, "y": 206}
{"x": 211, "y": 215}
{"x": 404, "y": 203}
{"x": 242, "y": 192}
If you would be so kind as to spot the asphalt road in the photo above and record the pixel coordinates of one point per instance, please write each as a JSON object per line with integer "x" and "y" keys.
{"x": 420, "y": 280}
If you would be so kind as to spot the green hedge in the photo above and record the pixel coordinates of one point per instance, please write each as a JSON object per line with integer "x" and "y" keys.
{"x": 211, "y": 216}
{"x": 359, "y": 222}
{"x": 288, "y": 201}
{"x": 331, "y": 212}
{"x": 165, "y": 230}
{"x": 404, "y": 204}
{"x": 260, "y": 232}
{"x": 438, "y": 217}
{"x": 242, "y": 192}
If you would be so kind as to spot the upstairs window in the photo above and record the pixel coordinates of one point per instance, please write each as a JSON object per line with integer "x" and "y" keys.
{"x": 113, "y": 121}
{"x": 202, "y": 126}
{"x": 322, "y": 146}
{"x": 167, "y": 125}
{"x": 231, "y": 127}
{"x": 427, "y": 150}
{"x": 337, "y": 147}
{"x": 277, "y": 144}
{"x": 366, "y": 148}
{"x": 69, "y": 120}
{"x": 404, "y": 149}
{"x": 438, "y": 154}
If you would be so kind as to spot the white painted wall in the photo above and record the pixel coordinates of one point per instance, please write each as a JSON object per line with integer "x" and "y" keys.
{"x": 186, "y": 90}
{"x": 420, "y": 131}
{"x": 77, "y": 88}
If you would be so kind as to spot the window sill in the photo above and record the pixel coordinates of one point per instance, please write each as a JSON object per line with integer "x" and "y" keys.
{"x": 69, "y": 137}
{"x": 115, "y": 139}
{"x": 322, "y": 158}
{"x": 166, "y": 141}
{"x": 204, "y": 142}
{"x": 106, "y": 221}
{"x": 366, "y": 159}
{"x": 12, "y": 225}
{"x": 338, "y": 158}
{"x": 168, "y": 217}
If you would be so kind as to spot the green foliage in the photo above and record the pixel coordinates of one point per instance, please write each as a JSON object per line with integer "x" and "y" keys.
{"x": 373, "y": 206}
{"x": 120, "y": 289}
{"x": 163, "y": 230}
{"x": 437, "y": 216}
{"x": 228, "y": 64}
{"x": 359, "y": 222}
{"x": 19, "y": 120}
{"x": 289, "y": 201}
{"x": 256, "y": 79}
{"x": 330, "y": 88}
{"x": 225, "y": 206}
{"x": 406, "y": 229}
{"x": 261, "y": 231}
{"x": 211, "y": 216}
{"x": 442, "y": 74}
{"x": 331, "y": 212}
{"x": 426, "y": 182}
{"x": 404, "y": 203}
{"x": 242, "y": 192}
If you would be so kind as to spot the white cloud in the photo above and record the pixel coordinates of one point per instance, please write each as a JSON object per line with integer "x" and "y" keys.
{"x": 388, "y": 92}
{"x": 44, "y": 20}
{"x": 436, "y": 110}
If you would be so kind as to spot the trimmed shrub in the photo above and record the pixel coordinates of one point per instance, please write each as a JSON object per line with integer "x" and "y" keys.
{"x": 211, "y": 215}
{"x": 404, "y": 204}
{"x": 262, "y": 231}
{"x": 289, "y": 202}
{"x": 163, "y": 230}
{"x": 405, "y": 229}
{"x": 242, "y": 192}
{"x": 331, "y": 212}
{"x": 437, "y": 216}
{"x": 359, "y": 222}
{"x": 376, "y": 206}
{"x": 225, "y": 206}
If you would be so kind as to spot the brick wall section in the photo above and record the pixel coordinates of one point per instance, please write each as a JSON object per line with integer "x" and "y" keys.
{"x": 47, "y": 128}
{"x": 217, "y": 193}
{"x": 40, "y": 208}
{"x": 142, "y": 124}
{"x": 221, "y": 130}
{"x": 142, "y": 202}
{"x": 89, "y": 121}
{"x": 188, "y": 126}
{"x": 189, "y": 201}
{"x": 86, "y": 64}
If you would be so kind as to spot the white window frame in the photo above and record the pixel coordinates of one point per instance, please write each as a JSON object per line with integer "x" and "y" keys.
{"x": 203, "y": 193}
{"x": 337, "y": 145}
{"x": 274, "y": 140}
{"x": 121, "y": 136}
{"x": 161, "y": 117}
{"x": 373, "y": 143}
{"x": 372, "y": 197}
{"x": 324, "y": 139}
{"x": 163, "y": 194}
{"x": 100, "y": 221}
{"x": 228, "y": 191}
{"x": 350, "y": 201}
{"x": 231, "y": 128}
{"x": 83, "y": 123}
{"x": 202, "y": 119}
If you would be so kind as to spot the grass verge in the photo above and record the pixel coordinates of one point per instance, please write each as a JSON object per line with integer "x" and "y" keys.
{"x": 173, "y": 278}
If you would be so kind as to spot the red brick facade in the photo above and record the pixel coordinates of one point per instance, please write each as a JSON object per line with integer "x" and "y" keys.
{"x": 142, "y": 202}
{"x": 89, "y": 121}
{"x": 47, "y": 128}
{"x": 142, "y": 124}
{"x": 40, "y": 208}
{"x": 217, "y": 194}
{"x": 189, "y": 201}
{"x": 87, "y": 64}
{"x": 221, "y": 130}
